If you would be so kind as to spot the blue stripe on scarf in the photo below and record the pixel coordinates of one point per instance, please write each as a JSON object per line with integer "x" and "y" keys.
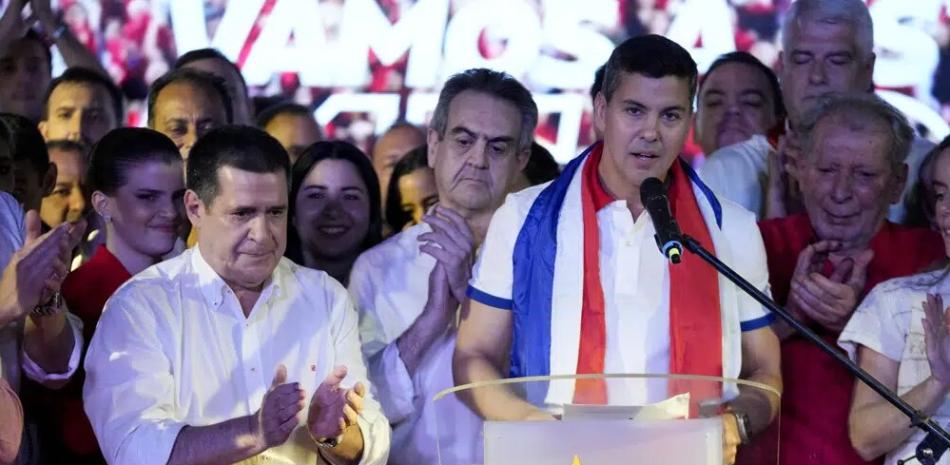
{"x": 533, "y": 282}
{"x": 533, "y": 276}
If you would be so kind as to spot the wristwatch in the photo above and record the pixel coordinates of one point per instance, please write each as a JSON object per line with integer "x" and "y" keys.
{"x": 742, "y": 424}
{"x": 329, "y": 443}
{"x": 51, "y": 307}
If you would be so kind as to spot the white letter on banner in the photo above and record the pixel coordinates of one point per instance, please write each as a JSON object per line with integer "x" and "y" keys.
{"x": 307, "y": 55}
{"x": 384, "y": 107}
{"x": 515, "y": 20}
{"x": 191, "y": 32}
{"x": 418, "y": 31}
{"x": 564, "y": 31}
{"x": 706, "y": 19}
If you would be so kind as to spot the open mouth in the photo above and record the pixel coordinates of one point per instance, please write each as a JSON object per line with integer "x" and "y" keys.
{"x": 332, "y": 230}
{"x": 645, "y": 155}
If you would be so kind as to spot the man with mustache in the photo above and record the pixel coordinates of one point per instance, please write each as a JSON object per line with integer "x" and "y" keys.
{"x": 408, "y": 289}
{"x": 570, "y": 279}
{"x": 827, "y": 48}
{"x": 230, "y": 352}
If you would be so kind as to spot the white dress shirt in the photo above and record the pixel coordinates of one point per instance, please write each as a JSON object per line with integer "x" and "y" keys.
{"x": 390, "y": 284}
{"x": 889, "y": 321}
{"x": 173, "y": 348}
{"x": 740, "y": 172}
{"x": 12, "y": 355}
{"x": 636, "y": 284}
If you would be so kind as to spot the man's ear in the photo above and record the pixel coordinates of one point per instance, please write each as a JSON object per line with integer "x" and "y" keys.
{"x": 44, "y": 129}
{"x": 600, "y": 111}
{"x": 523, "y": 157}
{"x": 49, "y": 180}
{"x": 432, "y": 142}
{"x": 194, "y": 207}
{"x": 897, "y": 194}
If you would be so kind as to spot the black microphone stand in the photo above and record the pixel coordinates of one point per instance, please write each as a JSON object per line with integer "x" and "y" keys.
{"x": 937, "y": 440}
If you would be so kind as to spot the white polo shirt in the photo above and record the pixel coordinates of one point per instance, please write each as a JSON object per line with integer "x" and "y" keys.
{"x": 390, "y": 285}
{"x": 173, "y": 348}
{"x": 636, "y": 284}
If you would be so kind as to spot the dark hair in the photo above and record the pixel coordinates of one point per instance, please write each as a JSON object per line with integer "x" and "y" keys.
{"x": 209, "y": 54}
{"x": 541, "y": 166}
{"x": 207, "y": 82}
{"x": 415, "y": 159}
{"x": 750, "y": 60}
{"x": 598, "y": 84}
{"x": 921, "y": 204}
{"x": 273, "y": 111}
{"x": 122, "y": 149}
{"x": 335, "y": 150}
{"x": 653, "y": 56}
{"x": 79, "y": 75}
{"x": 243, "y": 147}
{"x": 25, "y": 141}
{"x": 495, "y": 83}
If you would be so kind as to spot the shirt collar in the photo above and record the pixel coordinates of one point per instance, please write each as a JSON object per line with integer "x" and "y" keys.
{"x": 212, "y": 286}
{"x": 592, "y": 180}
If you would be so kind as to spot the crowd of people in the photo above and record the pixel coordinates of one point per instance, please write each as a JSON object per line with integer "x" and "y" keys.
{"x": 223, "y": 286}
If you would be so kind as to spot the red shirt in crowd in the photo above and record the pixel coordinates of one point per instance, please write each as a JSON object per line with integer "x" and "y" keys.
{"x": 817, "y": 396}
{"x": 67, "y": 434}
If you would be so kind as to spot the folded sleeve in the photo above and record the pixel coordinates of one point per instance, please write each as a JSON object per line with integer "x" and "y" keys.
{"x": 38, "y": 374}
{"x": 346, "y": 336}
{"x": 492, "y": 276}
{"x": 11, "y": 423}
{"x": 129, "y": 390}
{"x": 880, "y": 323}
{"x": 750, "y": 262}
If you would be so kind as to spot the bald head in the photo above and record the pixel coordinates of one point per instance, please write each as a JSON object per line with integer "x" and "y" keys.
{"x": 392, "y": 146}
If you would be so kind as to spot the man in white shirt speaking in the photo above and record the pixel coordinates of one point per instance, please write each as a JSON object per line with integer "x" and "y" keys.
{"x": 408, "y": 289}
{"x": 230, "y": 353}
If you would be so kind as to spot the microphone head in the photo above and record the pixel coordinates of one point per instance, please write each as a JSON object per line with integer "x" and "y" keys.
{"x": 651, "y": 188}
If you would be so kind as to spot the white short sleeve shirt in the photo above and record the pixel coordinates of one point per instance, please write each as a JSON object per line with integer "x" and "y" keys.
{"x": 889, "y": 322}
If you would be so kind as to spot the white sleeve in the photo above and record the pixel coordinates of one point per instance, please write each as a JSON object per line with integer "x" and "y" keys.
{"x": 879, "y": 323}
{"x": 729, "y": 174}
{"x": 750, "y": 262}
{"x": 493, "y": 274}
{"x": 129, "y": 390}
{"x": 346, "y": 337}
{"x": 394, "y": 386}
{"x": 35, "y": 372}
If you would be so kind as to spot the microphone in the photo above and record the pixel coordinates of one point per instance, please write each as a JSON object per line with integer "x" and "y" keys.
{"x": 668, "y": 235}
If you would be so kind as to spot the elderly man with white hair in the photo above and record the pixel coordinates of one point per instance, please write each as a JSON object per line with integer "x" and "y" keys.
{"x": 827, "y": 48}
{"x": 822, "y": 263}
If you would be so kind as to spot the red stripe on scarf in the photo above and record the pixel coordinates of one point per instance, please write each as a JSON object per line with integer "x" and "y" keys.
{"x": 695, "y": 316}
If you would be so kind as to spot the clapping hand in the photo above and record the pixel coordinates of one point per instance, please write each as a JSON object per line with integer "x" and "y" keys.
{"x": 936, "y": 325}
{"x": 828, "y": 301}
{"x": 277, "y": 416}
{"x": 333, "y": 409}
